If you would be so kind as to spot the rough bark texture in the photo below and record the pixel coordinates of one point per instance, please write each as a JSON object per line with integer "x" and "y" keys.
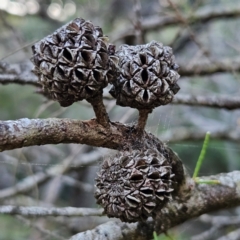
{"x": 25, "y": 132}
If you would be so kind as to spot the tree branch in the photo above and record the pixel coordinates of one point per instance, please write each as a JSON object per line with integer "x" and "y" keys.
{"x": 206, "y": 67}
{"x": 44, "y": 211}
{"x": 25, "y": 132}
{"x": 192, "y": 201}
{"x": 30, "y": 182}
{"x": 156, "y": 22}
{"x": 17, "y": 73}
{"x": 21, "y": 73}
{"x": 186, "y": 134}
{"x": 229, "y": 103}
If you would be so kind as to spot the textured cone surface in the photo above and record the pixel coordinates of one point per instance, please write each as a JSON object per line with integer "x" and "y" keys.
{"x": 132, "y": 184}
{"x": 74, "y": 63}
{"x": 148, "y": 76}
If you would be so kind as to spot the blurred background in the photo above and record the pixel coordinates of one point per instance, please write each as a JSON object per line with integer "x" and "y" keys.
{"x": 198, "y": 31}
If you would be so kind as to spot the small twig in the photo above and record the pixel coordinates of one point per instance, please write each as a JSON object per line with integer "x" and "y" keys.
{"x": 223, "y": 102}
{"x": 30, "y": 182}
{"x": 40, "y": 229}
{"x": 159, "y": 22}
{"x": 52, "y": 211}
{"x": 186, "y": 24}
{"x": 100, "y": 110}
{"x": 137, "y": 22}
{"x": 142, "y": 120}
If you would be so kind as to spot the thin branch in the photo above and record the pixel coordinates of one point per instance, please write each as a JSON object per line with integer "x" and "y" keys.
{"x": 217, "y": 223}
{"x": 186, "y": 24}
{"x": 52, "y": 211}
{"x": 30, "y": 182}
{"x": 205, "y": 67}
{"x": 87, "y": 187}
{"x": 40, "y": 229}
{"x": 218, "y": 101}
{"x": 18, "y": 79}
{"x": 17, "y": 73}
{"x": 21, "y": 73}
{"x": 185, "y": 134}
{"x": 156, "y": 22}
{"x": 137, "y": 21}
{"x": 234, "y": 235}
{"x": 223, "y": 102}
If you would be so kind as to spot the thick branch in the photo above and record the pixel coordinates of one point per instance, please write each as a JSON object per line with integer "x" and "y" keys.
{"x": 193, "y": 200}
{"x": 25, "y": 132}
{"x": 156, "y": 22}
{"x": 44, "y": 211}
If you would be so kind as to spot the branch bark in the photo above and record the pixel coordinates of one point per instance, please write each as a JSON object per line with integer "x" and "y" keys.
{"x": 223, "y": 102}
{"x": 44, "y": 211}
{"x": 206, "y": 67}
{"x": 17, "y": 73}
{"x": 25, "y": 132}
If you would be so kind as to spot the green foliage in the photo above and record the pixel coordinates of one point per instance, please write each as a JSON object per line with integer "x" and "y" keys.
{"x": 11, "y": 228}
{"x": 171, "y": 236}
{"x": 202, "y": 155}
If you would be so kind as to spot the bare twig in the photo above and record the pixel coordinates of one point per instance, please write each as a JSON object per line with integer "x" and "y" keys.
{"x": 206, "y": 67}
{"x": 186, "y": 134}
{"x": 218, "y": 101}
{"x": 217, "y": 223}
{"x": 43, "y": 211}
{"x": 40, "y": 229}
{"x": 234, "y": 235}
{"x": 186, "y": 24}
{"x": 156, "y": 22}
{"x": 21, "y": 73}
{"x": 17, "y": 73}
{"x": 223, "y": 102}
{"x": 87, "y": 187}
{"x": 137, "y": 21}
{"x": 29, "y": 182}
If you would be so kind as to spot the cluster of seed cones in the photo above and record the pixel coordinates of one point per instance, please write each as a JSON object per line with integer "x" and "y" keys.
{"x": 76, "y": 62}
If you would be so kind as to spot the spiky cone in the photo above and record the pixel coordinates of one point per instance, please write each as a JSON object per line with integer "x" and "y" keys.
{"x": 132, "y": 184}
{"x": 148, "y": 76}
{"x": 74, "y": 63}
